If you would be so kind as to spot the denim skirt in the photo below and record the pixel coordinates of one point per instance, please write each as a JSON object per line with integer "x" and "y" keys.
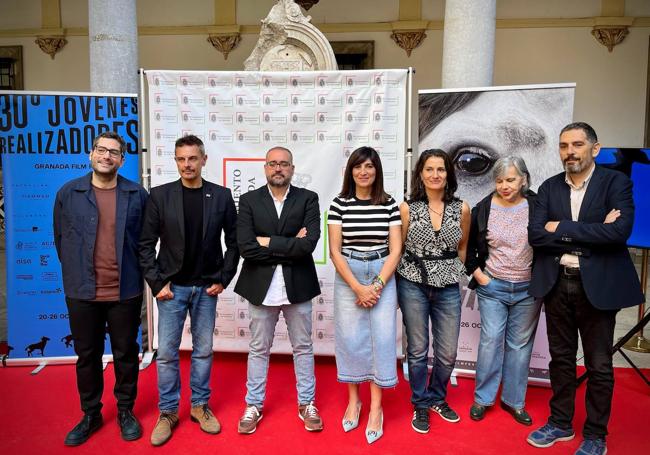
{"x": 365, "y": 345}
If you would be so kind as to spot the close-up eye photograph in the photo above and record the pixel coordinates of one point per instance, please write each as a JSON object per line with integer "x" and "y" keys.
{"x": 477, "y": 127}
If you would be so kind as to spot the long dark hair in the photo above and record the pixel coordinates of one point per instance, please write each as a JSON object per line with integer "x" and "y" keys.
{"x": 349, "y": 190}
{"x": 418, "y": 192}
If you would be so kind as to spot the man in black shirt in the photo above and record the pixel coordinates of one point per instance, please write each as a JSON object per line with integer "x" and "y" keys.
{"x": 188, "y": 274}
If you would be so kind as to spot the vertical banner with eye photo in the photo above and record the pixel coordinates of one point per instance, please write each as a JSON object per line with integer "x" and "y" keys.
{"x": 322, "y": 117}
{"x": 476, "y": 127}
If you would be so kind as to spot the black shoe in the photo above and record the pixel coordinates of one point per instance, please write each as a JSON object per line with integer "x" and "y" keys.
{"x": 520, "y": 415}
{"x": 80, "y": 433}
{"x": 477, "y": 411}
{"x": 445, "y": 412}
{"x": 420, "y": 422}
{"x": 130, "y": 428}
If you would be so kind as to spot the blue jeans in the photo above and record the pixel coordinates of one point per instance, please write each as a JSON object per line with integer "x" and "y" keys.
{"x": 419, "y": 304}
{"x": 508, "y": 324}
{"x": 365, "y": 337}
{"x": 262, "y": 326}
{"x": 171, "y": 318}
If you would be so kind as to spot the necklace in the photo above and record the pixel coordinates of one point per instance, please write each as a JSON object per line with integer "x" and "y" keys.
{"x": 434, "y": 211}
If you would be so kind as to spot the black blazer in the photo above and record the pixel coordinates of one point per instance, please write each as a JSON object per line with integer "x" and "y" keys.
{"x": 258, "y": 217}
{"x": 608, "y": 274}
{"x": 164, "y": 220}
{"x": 477, "y": 245}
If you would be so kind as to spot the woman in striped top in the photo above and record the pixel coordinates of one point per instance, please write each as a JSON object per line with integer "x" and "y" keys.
{"x": 364, "y": 229}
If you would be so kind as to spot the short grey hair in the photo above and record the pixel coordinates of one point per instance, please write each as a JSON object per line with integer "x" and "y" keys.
{"x": 503, "y": 164}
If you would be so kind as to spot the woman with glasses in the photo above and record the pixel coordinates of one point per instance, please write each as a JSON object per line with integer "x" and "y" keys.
{"x": 435, "y": 228}
{"x": 365, "y": 245}
{"x": 499, "y": 259}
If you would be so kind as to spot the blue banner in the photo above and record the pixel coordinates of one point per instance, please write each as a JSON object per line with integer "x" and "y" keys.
{"x": 45, "y": 141}
{"x": 635, "y": 163}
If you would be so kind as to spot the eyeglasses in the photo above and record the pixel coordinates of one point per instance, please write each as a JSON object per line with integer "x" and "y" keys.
{"x": 282, "y": 164}
{"x": 114, "y": 153}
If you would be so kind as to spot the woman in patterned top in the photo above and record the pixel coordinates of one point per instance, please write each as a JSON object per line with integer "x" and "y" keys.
{"x": 435, "y": 228}
{"x": 499, "y": 259}
{"x": 365, "y": 246}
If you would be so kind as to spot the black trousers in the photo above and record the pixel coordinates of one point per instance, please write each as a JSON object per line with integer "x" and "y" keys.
{"x": 568, "y": 312}
{"x": 89, "y": 322}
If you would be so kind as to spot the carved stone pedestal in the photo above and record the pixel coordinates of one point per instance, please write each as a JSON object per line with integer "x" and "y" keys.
{"x": 289, "y": 42}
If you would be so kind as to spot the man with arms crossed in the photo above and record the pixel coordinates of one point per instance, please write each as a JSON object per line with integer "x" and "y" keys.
{"x": 584, "y": 272}
{"x": 188, "y": 274}
{"x": 97, "y": 224}
{"x": 277, "y": 231}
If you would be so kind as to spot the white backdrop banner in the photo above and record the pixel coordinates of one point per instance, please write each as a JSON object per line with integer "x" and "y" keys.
{"x": 476, "y": 127}
{"x": 320, "y": 116}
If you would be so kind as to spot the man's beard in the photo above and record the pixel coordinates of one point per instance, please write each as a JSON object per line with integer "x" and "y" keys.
{"x": 575, "y": 168}
{"x": 273, "y": 182}
{"x": 103, "y": 173}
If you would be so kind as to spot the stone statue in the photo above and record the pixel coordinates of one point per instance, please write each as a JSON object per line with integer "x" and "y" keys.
{"x": 289, "y": 42}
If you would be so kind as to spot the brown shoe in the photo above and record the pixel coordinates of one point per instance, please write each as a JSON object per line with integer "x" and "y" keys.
{"x": 163, "y": 429}
{"x": 206, "y": 419}
{"x": 248, "y": 422}
{"x": 309, "y": 414}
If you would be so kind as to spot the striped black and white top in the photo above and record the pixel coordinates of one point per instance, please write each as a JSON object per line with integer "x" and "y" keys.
{"x": 364, "y": 225}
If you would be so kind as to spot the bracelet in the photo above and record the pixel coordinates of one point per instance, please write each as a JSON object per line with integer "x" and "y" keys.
{"x": 381, "y": 280}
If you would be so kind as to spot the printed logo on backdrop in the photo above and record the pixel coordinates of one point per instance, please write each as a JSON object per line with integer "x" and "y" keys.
{"x": 242, "y": 175}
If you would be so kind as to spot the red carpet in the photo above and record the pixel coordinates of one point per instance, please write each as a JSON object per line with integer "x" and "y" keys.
{"x": 37, "y": 411}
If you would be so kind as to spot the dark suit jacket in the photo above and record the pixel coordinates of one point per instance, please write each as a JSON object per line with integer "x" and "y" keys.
{"x": 164, "y": 220}
{"x": 258, "y": 217}
{"x": 608, "y": 275}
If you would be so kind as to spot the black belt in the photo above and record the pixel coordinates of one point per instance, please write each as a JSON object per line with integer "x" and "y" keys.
{"x": 570, "y": 273}
{"x": 418, "y": 261}
{"x": 366, "y": 255}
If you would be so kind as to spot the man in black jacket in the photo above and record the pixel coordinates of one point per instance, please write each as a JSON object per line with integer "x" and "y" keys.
{"x": 277, "y": 231}
{"x": 190, "y": 271}
{"x": 583, "y": 270}
{"x": 97, "y": 224}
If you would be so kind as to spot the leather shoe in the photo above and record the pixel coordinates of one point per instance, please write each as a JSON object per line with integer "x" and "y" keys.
{"x": 520, "y": 415}
{"x": 477, "y": 411}
{"x": 81, "y": 432}
{"x": 130, "y": 428}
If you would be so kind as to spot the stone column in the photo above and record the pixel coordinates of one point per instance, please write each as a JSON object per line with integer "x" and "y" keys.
{"x": 113, "y": 35}
{"x": 468, "y": 43}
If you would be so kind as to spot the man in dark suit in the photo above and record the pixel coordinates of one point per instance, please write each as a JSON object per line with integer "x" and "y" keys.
{"x": 189, "y": 272}
{"x": 277, "y": 231}
{"x": 583, "y": 270}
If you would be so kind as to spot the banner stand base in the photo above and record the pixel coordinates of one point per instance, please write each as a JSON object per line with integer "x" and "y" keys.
{"x": 38, "y": 368}
{"x": 147, "y": 358}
